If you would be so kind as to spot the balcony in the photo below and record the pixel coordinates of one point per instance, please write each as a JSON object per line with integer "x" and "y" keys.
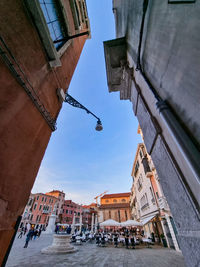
{"x": 145, "y": 206}
{"x": 162, "y": 203}
{"x": 116, "y": 67}
{"x": 45, "y": 211}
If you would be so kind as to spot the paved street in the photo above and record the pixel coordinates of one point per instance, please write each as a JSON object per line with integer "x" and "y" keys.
{"x": 92, "y": 256}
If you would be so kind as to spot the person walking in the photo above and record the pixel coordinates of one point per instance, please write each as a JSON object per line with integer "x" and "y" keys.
{"x": 35, "y": 234}
{"x": 21, "y": 233}
{"x": 39, "y": 232}
{"x": 28, "y": 237}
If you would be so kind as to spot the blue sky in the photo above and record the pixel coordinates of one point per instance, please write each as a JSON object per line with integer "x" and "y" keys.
{"x": 79, "y": 160}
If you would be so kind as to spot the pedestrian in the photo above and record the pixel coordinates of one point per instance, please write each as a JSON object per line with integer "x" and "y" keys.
{"x": 35, "y": 234}
{"x": 28, "y": 237}
{"x": 127, "y": 241}
{"x": 39, "y": 232}
{"x": 69, "y": 229}
{"x": 25, "y": 229}
{"x": 116, "y": 240}
{"x": 56, "y": 229}
{"x": 21, "y": 233}
{"x": 133, "y": 242}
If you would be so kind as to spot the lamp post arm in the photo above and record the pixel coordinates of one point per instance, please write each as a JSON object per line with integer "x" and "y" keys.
{"x": 73, "y": 102}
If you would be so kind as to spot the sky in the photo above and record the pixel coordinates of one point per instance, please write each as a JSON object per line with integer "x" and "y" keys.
{"x": 79, "y": 160}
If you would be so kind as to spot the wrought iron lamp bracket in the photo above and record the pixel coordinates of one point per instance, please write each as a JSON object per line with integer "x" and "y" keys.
{"x": 73, "y": 102}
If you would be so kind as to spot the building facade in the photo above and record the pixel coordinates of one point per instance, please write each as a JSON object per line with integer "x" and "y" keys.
{"x": 39, "y": 53}
{"x": 148, "y": 203}
{"x": 114, "y": 206}
{"x": 69, "y": 210}
{"x": 38, "y": 210}
{"x": 153, "y": 63}
{"x": 60, "y": 195}
{"x": 73, "y": 212}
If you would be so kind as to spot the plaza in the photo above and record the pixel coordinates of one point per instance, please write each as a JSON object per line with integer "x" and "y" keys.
{"x": 89, "y": 254}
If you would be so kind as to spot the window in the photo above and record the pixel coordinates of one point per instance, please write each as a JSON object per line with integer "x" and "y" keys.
{"x": 40, "y": 207}
{"x": 139, "y": 183}
{"x": 66, "y": 211}
{"x": 55, "y": 21}
{"x": 49, "y": 200}
{"x": 45, "y": 199}
{"x": 136, "y": 167}
{"x": 51, "y": 22}
{"x": 75, "y": 13}
{"x": 152, "y": 195}
{"x": 157, "y": 194}
{"x": 35, "y": 206}
{"x": 38, "y": 197}
{"x": 30, "y": 202}
{"x": 114, "y": 200}
{"x": 107, "y": 201}
{"x": 141, "y": 154}
{"x": 144, "y": 202}
{"x": 42, "y": 199}
{"x": 78, "y": 213}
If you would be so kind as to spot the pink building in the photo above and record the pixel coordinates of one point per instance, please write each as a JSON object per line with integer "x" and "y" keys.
{"x": 69, "y": 209}
{"x": 38, "y": 209}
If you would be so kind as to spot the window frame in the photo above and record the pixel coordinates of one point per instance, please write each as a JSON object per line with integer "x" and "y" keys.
{"x": 39, "y": 20}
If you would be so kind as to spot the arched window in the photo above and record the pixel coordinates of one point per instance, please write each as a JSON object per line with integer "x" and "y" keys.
{"x": 114, "y": 200}
{"x": 123, "y": 200}
{"x": 107, "y": 201}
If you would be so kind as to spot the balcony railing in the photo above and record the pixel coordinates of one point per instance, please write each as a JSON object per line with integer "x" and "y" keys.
{"x": 145, "y": 206}
{"x": 45, "y": 211}
{"x": 162, "y": 203}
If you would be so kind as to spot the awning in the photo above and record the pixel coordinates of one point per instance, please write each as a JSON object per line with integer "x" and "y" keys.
{"x": 147, "y": 219}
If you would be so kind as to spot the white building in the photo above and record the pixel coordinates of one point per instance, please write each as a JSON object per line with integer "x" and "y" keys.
{"x": 148, "y": 203}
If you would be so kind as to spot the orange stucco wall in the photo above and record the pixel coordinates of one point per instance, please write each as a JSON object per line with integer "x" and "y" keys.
{"x": 112, "y": 200}
{"x": 24, "y": 134}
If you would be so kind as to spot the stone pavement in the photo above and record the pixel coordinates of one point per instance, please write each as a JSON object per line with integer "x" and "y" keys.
{"x": 92, "y": 256}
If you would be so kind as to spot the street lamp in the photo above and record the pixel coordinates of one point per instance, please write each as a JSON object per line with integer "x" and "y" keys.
{"x": 65, "y": 97}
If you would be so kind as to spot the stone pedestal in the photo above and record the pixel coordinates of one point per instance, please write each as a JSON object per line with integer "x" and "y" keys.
{"x": 60, "y": 245}
{"x": 51, "y": 225}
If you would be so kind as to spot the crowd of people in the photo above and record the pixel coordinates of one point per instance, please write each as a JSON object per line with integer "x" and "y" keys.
{"x": 32, "y": 233}
{"x": 116, "y": 238}
{"x": 128, "y": 238}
